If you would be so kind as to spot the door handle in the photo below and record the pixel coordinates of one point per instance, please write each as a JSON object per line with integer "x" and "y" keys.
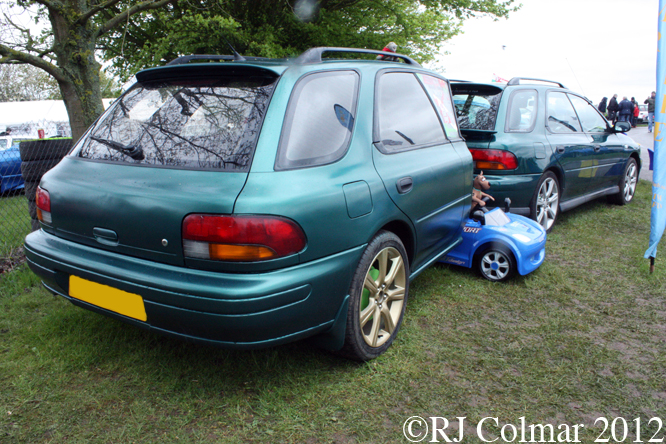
{"x": 597, "y": 148}
{"x": 560, "y": 149}
{"x": 404, "y": 185}
{"x": 105, "y": 237}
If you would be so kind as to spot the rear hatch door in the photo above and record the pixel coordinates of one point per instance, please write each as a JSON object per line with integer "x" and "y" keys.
{"x": 476, "y": 107}
{"x": 174, "y": 144}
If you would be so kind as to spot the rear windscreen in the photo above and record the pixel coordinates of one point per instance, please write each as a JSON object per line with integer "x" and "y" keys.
{"x": 210, "y": 123}
{"x": 476, "y": 110}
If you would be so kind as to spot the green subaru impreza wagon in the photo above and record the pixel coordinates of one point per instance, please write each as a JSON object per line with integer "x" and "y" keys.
{"x": 251, "y": 202}
{"x": 545, "y": 147}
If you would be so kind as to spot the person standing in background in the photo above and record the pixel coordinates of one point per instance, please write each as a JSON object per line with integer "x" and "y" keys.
{"x": 602, "y": 105}
{"x": 650, "y": 110}
{"x": 613, "y": 108}
{"x": 634, "y": 112}
{"x": 626, "y": 110}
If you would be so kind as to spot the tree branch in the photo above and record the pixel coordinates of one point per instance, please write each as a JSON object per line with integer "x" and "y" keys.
{"x": 10, "y": 55}
{"x": 49, "y": 3}
{"x": 143, "y": 6}
{"x": 85, "y": 17}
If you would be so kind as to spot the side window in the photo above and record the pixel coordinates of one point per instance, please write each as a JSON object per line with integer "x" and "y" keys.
{"x": 561, "y": 115}
{"x": 319, "y": 120}
{"x": 438, "y": 90}
{"x": 405, "y": 116}
{"x": 590, "y": 118}
{"x": 522, "y": 111}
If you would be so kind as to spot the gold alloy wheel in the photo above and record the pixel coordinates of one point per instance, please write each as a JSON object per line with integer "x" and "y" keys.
{"x": 383, "y": 297}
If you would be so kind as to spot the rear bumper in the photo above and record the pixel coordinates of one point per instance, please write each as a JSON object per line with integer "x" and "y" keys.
{"x": 231, "y": 310}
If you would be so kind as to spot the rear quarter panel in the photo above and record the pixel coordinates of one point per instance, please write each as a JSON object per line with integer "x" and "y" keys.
{"x": 314, "y": 197}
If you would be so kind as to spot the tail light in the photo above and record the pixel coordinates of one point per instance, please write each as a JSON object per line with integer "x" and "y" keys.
{"x": 241, "y": 238}
{"x": 43, "y": 203}
{"x": 494, "y": 160}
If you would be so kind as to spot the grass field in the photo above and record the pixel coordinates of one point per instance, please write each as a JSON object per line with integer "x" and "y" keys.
{"x": 581, "y": 338}
{"x": 14, "y": 223}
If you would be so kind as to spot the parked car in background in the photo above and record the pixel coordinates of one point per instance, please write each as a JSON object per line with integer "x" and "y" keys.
{"x": 642, "y": 114}
{"x": 545, "y": 147}
{"x": 253, "y": 202}
{"x": 10, "y": 165}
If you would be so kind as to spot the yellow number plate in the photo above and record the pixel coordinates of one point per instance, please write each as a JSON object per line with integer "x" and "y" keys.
{"x": 121, "y": 302}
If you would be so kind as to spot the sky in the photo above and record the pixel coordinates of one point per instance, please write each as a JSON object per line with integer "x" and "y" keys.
{"x": 594, "y": 47}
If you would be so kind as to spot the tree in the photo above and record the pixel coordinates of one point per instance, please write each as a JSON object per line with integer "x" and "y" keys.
{"x": 140, "y": 33}
{"x": 66, "y": 48}
{"x": 25, "y": 82}
{"x": 281, "y": 28}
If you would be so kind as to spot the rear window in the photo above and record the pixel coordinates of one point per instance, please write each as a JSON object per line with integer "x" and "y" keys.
{"x": 476, "y": 111}
{"x": 207, "y": 123}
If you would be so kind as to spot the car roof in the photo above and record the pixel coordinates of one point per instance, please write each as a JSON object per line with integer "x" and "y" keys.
{"x": 496, "y": 87}
{"x": 313, "y": 56}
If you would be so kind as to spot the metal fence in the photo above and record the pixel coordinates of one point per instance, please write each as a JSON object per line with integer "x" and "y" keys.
{"x": 21, "y": 168}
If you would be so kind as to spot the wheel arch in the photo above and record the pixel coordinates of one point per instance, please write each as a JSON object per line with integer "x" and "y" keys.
{"x": 488, "y": 243}
{"x": 559, "y": 175}
{"x": 406, "y": 235}
{"x": 637, "y": 158}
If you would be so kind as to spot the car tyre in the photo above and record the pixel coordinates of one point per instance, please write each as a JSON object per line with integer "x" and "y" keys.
{"x": 627, "y": 184}
{"x": 31, "y": 190}
{"x": 44, "y": 149}
{"x": 545, "y": 204}
{"x": 378, "y": 297}
{"x": 495, "y": 263}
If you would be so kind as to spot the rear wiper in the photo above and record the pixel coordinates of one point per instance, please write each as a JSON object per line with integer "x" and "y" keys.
{"x": 135, "y": 152}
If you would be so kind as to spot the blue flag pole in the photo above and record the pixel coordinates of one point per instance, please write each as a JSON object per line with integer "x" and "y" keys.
{"x": 658, "y": 215}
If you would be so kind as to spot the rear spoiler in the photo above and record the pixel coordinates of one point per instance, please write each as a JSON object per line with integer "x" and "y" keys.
{"x": 474, "y": 134}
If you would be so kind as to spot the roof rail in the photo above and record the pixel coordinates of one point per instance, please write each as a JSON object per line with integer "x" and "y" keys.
{"x": 188, "y": 58}
{"x": 314, "y": 55}
{"x": 516, "y": 81}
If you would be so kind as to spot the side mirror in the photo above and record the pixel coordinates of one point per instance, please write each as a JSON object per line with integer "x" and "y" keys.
{"x": 621, "y": 127}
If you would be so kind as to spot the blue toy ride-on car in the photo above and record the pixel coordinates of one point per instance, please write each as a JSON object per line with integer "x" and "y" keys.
{"x": 498, "y": 244}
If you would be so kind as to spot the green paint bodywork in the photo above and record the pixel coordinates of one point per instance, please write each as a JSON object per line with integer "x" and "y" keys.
{"x": 583, "y": 173}
{"x": 340, "y": 206}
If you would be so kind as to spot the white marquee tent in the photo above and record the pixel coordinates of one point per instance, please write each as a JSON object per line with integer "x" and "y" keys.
{"x": 25, "y": 118}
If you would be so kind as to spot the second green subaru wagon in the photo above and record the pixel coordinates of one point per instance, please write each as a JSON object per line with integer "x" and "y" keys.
{"x": 545, "y": 147}
{"x": 252, "y": 202}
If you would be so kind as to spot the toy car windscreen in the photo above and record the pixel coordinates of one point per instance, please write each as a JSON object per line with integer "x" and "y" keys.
{"x": 497, "y": 218}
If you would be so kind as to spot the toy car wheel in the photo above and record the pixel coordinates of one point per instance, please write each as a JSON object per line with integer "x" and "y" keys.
{"x": 378, "y": 296}
{"x": 627, "y": 184}
{"x": 496, "y": 264}
{"x": 545, "y": 204}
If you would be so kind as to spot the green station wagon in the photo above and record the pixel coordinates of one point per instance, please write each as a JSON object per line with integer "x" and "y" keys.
{"x": 545, "y": 147}
{"x": 252, "y": 202}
